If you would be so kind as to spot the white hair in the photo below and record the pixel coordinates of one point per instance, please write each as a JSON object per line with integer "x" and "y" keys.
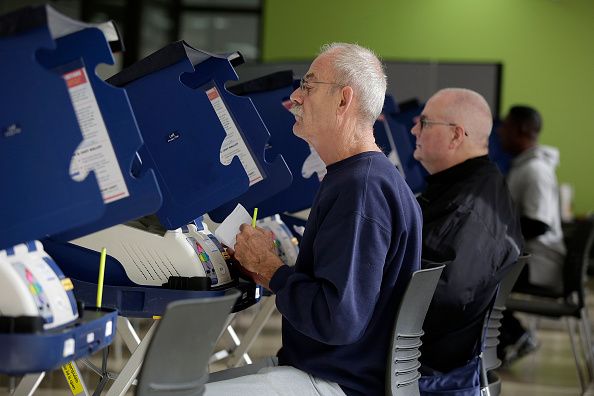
{"x": 360, "y": 68}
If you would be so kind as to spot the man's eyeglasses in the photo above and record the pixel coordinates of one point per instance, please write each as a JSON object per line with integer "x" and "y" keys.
{"x": 304, "y": 84}
{"x": 424, "y": 122}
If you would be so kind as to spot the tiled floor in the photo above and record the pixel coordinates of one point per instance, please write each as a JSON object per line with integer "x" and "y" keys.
{"x": 550, "y": 371}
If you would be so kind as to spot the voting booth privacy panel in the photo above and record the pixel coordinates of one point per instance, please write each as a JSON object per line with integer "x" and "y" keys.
{"x": 49, "y": 125}
{"x": 33, "y": 135}
{"x": 192, "y": 125}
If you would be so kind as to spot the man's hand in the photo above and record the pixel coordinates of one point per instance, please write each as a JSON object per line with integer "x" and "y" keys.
{"x": 254, "y": 249}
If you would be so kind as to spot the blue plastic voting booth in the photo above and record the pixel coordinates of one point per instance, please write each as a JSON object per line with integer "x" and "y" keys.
{"x": 384, "y": 137}
{"x": 406, "y": 114}
{"x": 111, "y": 137}
{"x": 126, "y": 196}
{"x": 393, "y": 139}
{"x": 398, "y": 144}
{"x": 399, "y": 125}
{"x": 206, "y": 145}
{"x": 39, "y": 135}
{"x": 390, "y": 105}
{"x": 43, "y": 124}
{"x": 270, "y": 94}
{"x": 496, "y": 152}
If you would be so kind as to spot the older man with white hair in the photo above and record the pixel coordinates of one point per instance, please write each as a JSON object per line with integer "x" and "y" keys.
{"x": 469, "y": 219}
{"x": 361, "y": 244}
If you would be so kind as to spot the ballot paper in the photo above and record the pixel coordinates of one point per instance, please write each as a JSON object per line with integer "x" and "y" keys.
{"x": 229, "y": 228}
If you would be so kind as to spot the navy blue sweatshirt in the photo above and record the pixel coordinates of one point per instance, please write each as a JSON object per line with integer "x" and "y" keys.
{"x": 362, "y": 242}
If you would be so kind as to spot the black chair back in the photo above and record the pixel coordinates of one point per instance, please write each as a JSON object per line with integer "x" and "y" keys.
{"x": 578, "y": 240}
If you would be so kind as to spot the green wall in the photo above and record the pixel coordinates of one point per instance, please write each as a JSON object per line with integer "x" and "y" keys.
{"x": 546, "y": 47}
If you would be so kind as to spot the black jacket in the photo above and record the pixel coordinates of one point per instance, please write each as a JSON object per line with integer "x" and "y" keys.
{"x": 469, "y": 219}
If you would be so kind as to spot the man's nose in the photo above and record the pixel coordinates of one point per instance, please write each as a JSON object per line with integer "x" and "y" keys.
{"x": 415, "y": 129}
{"x": 296, "y": 96}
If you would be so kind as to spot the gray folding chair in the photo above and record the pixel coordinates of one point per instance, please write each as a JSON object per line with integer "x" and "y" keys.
{"x": 490, "y": 383}
{"x": 403, "y": 375}
{"x": 176, "y": 362}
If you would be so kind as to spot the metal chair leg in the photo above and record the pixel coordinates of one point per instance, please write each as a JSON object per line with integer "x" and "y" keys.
{"x": 586, "y": 346}
{"x": 268, "y": 306}
{"x": 585, "y": 320}
{"x": 222, "y": 354}
{"x": 29, "y": 384}
{"x": 132, "y": 367}
{"x": 569, "y": 323}
{"x": 485, "y": 391}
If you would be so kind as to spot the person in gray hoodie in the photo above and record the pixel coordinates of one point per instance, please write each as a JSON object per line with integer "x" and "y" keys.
{"x": 533, "y": 185}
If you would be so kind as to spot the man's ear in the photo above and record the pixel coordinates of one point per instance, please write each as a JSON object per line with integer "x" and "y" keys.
{"x": 346, "y": 100}
{"x": 457, "y": 137}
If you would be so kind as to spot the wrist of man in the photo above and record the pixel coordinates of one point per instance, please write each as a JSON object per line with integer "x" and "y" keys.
{"x": 267, "y": 269}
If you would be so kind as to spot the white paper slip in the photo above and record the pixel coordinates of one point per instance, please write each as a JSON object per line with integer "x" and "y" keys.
{"x": 229, "y": 228}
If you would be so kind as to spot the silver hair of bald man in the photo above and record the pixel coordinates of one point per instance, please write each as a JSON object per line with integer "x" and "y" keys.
{"x": 470, "y": 109}
{"x": 360, "y": 68}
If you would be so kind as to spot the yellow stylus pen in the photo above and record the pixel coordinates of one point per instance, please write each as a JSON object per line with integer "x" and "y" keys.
{"x": 101, "y": 273}
{"x": 254, "y": 217}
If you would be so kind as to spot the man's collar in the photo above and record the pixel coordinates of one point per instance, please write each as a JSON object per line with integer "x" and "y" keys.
{"x": 457, "y": 172}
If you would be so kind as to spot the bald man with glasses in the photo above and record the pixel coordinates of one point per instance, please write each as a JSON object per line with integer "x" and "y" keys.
{"x": 469, "y": 219}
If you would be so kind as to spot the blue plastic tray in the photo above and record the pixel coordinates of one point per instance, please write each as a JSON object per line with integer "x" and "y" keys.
{"x": 23, "y": 353}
